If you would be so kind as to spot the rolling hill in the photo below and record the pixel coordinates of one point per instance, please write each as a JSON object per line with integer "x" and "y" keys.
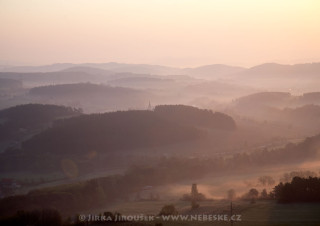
{"x": 21, "y": 122}
{"x": 214, "y": 71}
{"x": 89, "y": 139}
{"x": 91, "y": 97}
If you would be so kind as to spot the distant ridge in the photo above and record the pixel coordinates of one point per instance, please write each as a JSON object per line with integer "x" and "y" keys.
{"x": 212, "y": 71}
{"x": 282, "y": 69}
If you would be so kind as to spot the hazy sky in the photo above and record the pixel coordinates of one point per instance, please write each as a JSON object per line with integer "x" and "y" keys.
{"x": 169, "y": 32}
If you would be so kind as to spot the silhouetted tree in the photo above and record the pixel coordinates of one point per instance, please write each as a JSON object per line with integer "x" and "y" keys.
{"x": 287, "y": 177}
{"x": 253, "y": 195}
{"x": 168, "y": 210}
{"x": 299, "y": 190}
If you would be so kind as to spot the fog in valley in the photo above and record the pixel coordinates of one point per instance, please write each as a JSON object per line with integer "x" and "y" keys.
{"x": 204, "y": 113}
{"x": 216, "y": 126}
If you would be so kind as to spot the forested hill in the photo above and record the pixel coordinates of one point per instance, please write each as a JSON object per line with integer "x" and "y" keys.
{"x": 36, "y": 113}
{"x": 22, "y": 119}
{"x": 188, "y": 115}
{"x": 102, "y": 134}
{"x": 109, "y": 132}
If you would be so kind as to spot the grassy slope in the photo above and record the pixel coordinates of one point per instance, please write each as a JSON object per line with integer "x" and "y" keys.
{"x": 262, "y": 213}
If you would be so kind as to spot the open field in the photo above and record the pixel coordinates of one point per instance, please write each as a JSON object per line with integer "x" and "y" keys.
{"x": 261, "y": 213}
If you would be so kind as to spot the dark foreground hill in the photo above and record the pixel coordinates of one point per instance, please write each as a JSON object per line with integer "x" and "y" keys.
{"x": 87, "y": 138}
{"x": 188, "y": 115}
{"x": 24, "y": 120}
{"x": 109, "y": 132}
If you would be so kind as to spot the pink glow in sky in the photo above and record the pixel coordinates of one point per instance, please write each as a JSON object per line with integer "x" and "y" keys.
{"x": 168, "y": 32}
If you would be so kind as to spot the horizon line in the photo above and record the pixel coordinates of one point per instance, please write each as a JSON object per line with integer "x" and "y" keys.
{"x": 152, "y": 64}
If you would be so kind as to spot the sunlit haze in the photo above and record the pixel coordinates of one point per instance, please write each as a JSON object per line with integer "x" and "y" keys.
{"x": 159, "y": 112}
{"x": 181, "y": 33}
